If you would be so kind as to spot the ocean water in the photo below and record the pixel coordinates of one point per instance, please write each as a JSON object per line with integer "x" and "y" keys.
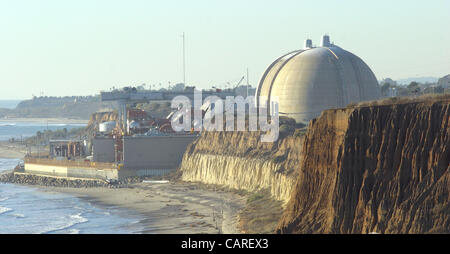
{"x": 20, "y": 130}
{"x": 28, "y": 210}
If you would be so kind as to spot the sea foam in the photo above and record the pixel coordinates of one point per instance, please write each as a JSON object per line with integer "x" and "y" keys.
{"x": 71, "y": 220}
{"x": 4, "y": 209}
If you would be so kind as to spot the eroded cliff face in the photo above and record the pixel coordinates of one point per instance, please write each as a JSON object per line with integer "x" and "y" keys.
{"x": 240, "y": 161}
{"x": 378, "y": 169}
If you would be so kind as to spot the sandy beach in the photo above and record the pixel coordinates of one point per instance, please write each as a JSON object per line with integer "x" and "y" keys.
{"x": 12, "y": 150}
{"x": 169, "y": 208}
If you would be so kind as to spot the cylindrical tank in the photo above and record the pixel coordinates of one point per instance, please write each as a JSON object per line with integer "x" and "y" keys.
{"x": 106, "y": 126}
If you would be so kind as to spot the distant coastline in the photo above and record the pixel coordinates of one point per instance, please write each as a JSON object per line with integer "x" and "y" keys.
{"x": 45, "y": 120}
{"x": 10, "y": 150}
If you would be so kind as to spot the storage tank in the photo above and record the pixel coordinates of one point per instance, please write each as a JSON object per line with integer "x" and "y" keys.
{"x": 106, "y": 127}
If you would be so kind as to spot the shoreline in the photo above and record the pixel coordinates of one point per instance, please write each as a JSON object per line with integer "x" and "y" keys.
{"x": 10, "y": 150}
{"x": 171, "y": 208}
{"x": 164, "y": 208}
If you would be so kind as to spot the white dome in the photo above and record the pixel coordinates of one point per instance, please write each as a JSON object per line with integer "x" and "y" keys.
{"x": 311, "y": 80}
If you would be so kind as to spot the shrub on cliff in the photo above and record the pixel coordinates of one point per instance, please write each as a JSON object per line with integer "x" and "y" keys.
{"x": 286, "y": 129}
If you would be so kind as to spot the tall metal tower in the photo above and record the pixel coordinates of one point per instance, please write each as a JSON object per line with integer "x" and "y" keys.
{"x": 248, "y": 82}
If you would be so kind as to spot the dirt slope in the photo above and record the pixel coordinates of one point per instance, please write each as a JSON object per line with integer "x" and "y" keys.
{"x": 374, "y": 168}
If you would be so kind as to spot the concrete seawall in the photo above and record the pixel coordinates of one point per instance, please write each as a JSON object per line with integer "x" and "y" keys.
{"x": 68, "y": 171}
{"x": 88, "y": 170}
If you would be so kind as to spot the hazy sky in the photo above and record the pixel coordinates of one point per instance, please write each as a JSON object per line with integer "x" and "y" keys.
{"x": 79, "y": 47}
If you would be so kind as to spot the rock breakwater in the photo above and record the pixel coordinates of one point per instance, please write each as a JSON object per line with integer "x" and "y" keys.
{"x": 29, "y": 179}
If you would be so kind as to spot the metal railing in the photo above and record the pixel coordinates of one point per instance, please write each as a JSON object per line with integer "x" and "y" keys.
{"x": 67, "y": 163}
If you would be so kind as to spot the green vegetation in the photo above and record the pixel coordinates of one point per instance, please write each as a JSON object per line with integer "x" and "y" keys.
{"x": 289, "y": 127}
{"x": 403, "y": 100}
{"x": 256, "y": 196}
{"x": 413, "y": 89}
{"x": 44, "y": 136}
{"x": 300, "y": 132}
{"x": 286, "y": 129}
{"x": 279, "y": 158}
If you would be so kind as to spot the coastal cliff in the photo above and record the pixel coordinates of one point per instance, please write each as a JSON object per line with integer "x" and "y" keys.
{"x": 240, "y": 161}
{"x": 74, "y": 107}
{"x": 374, "y": 168}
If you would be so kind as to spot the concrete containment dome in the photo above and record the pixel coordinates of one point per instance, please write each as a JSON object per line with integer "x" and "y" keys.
{"x": 313, "y": 79}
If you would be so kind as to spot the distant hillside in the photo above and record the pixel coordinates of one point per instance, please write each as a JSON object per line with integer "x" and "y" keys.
{"x": 75, "y": 107}
{"x": 423, "y": 80}
{"x": 58, "y": 107}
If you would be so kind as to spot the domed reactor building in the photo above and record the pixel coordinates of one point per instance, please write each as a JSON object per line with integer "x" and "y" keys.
{"x": 313, "y": 79}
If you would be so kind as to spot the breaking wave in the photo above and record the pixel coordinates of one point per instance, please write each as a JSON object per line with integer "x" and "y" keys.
{"x": 68, "y": 222}
{"x": 18, "y": 215}
{"x": 5, "y": 209}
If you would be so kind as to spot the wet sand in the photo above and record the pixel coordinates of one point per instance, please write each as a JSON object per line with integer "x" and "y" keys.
{"x": 169, "y": 208}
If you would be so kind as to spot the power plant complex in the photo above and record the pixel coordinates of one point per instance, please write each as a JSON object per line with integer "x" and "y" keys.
{"x": 303, "y": 82}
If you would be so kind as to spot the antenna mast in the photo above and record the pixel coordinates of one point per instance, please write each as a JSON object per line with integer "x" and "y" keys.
{"x": 184, "y": 61}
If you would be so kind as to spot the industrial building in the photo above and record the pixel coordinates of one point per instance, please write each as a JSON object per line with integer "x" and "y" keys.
{"x": 303, "y": 82}
{"x": 312, "y": 79}
{"x": 67, "y": 148}
{"x": 146, "y": 155}
{"x": 135, "y": 144}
